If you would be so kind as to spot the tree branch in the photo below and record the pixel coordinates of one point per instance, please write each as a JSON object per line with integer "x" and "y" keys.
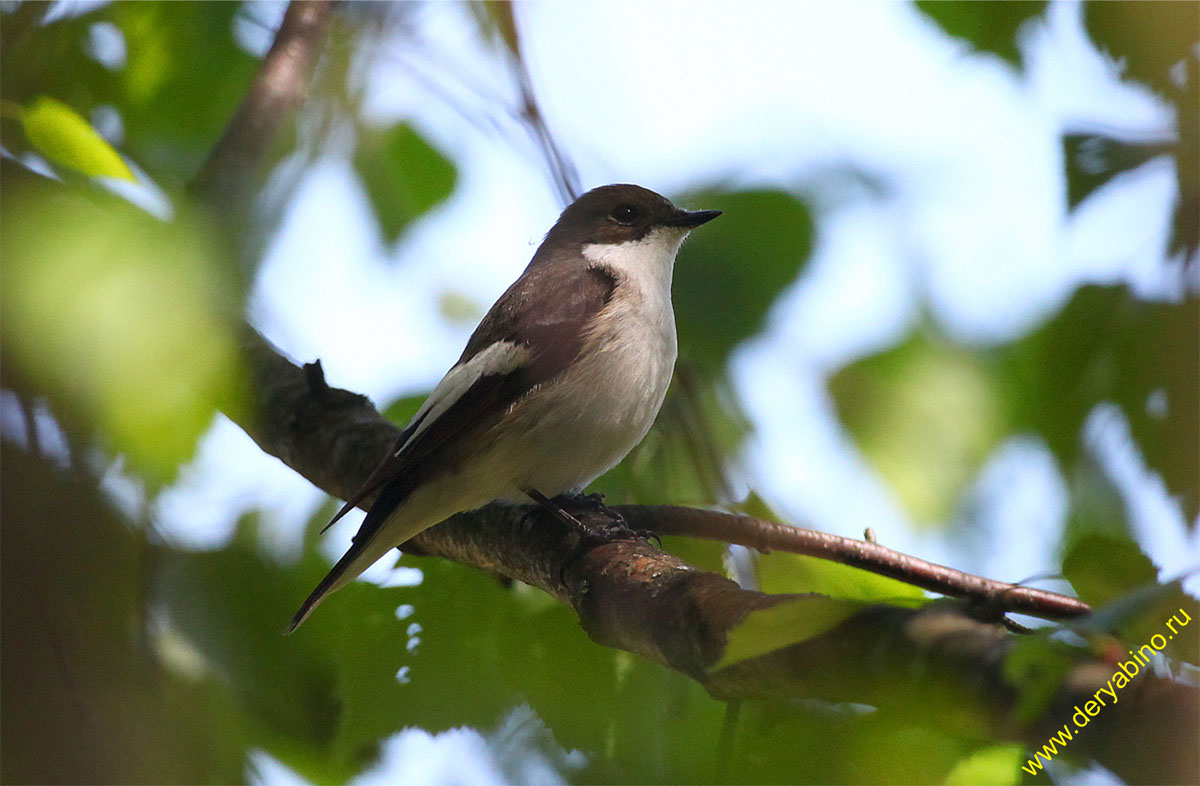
{"x": 562, "y": 171}
{"x": 279, "y": 87}
{"x": 766, "y": 536}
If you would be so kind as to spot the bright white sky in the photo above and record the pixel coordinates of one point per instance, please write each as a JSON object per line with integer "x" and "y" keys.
{"x": 681, "y": 95}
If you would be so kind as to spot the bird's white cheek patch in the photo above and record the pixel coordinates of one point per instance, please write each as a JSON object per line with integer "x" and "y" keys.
{"x": 654, "y": 250}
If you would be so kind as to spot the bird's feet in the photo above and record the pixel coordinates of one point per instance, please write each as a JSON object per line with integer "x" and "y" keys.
{"x": 612, "y": 528}
{"x": 616, "y": 528}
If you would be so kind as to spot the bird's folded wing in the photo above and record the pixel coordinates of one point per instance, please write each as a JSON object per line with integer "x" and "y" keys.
{"x": 528, "y": 337}
{"x": 473, "y": 390}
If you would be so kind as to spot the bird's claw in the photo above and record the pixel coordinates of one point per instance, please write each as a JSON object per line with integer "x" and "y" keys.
{"x": 616, "y": 528}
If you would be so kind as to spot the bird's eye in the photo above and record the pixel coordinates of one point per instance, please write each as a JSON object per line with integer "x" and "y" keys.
{"x": 625, "y": 214}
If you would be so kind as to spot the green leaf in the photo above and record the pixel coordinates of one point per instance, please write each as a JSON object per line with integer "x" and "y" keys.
{"x": 786, "y": 623}
{"x": 74, "y": 576}
{"x": 780, "y": 572}
{"x": 405, "y": 177}
{"x": 1120, "y": 582}
{"x": 730, "y": 272}
{"x": 1036, "y": 666}
{"x": 1108, "y": 346}
{"x": 321, "y": 700}
{"x": 811, "y": 742}
{"x": 403, "y": 409}
{"x": 127, "y": 322}
{"x": 1147, "y": 38}
{"x": 67, "y": 139}
{"x": 926, "y": 414}
{"x": 1102, "y": 569}
{"x": 183, "y": 80}
{"x": 990, "y": 27}
{"x": 997, "y": 765}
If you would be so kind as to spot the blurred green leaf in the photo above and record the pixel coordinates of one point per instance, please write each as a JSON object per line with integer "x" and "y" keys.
{"x": 989, "y": 27}
{"x": 128, "y": 322}
{"x": 1150, "y": 41}
{"x": 926, "y": 414}
{"x": 402, "y": 410}
{"x": 372, "y": 661}
{"x": 320, "y": 700}
{"x": 730, "y": 272}
{"x": 460, "y": 308}
{"x": 1106, "y": 345}
{"x": 997, "y": 765}
{"x": 788, "y": 622}
{"x": 61, "y": 135}
{"x": 855, "y": 744}
{"x": 780, "y": 572}
{"x": 1102, "y": 569}
{"x": 1036, "y": 666}
{"x": 405, "y": 177}
{"x": 1096, "y": 506}
{"x": 182, "y": 79}
{"x": 1149, "y": 37}
{"x": 1121, "y": 583}
{"x": 87, "y": 696}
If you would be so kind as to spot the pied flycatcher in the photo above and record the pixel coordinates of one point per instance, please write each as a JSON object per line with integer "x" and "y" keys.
{"x": 564, "y": 375}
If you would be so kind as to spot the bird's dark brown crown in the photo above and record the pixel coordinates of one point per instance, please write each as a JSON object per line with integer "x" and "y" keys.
{"x": 612, "y": 214}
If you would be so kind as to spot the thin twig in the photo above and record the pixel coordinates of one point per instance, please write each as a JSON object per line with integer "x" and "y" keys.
{"x": 766, "y": 536}
{"x": 562, "y": 170}
{"x": 279, "y": 87}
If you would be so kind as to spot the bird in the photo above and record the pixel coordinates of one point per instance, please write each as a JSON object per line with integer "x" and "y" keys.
{"x": 563, "y": 376}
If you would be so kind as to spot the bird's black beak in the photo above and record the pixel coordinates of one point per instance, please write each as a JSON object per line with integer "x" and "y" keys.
{"x": 692, "y": 218}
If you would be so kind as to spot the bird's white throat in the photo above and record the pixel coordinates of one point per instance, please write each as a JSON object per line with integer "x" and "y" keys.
{"x": 647, "y": 263}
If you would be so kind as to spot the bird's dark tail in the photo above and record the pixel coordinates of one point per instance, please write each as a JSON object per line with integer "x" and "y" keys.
{"x": 332, "y": 581}
{"x": 365, "y": 549}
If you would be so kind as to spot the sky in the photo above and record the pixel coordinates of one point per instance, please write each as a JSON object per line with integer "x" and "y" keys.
{"x": 973, "y": 226}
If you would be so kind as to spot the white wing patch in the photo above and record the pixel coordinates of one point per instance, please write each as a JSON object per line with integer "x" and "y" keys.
{"x": 502, "y": 357}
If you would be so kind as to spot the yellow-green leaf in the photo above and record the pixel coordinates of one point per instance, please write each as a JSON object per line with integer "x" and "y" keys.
{"x": 998, "y": 765}
{"x": 927, "y": 414}
{"x": 780, "y": 572}
{"x": 62, "y": 135}
{"x": 127, "y": 322}
{"x": 782, "y": 625}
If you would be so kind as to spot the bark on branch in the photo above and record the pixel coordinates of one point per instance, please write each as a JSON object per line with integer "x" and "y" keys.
{"x": 280, "y": 86}
{"x": 990, "y": 595}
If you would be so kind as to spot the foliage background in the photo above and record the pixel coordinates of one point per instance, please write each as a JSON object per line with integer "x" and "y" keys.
{"x": 953, "y": 298}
